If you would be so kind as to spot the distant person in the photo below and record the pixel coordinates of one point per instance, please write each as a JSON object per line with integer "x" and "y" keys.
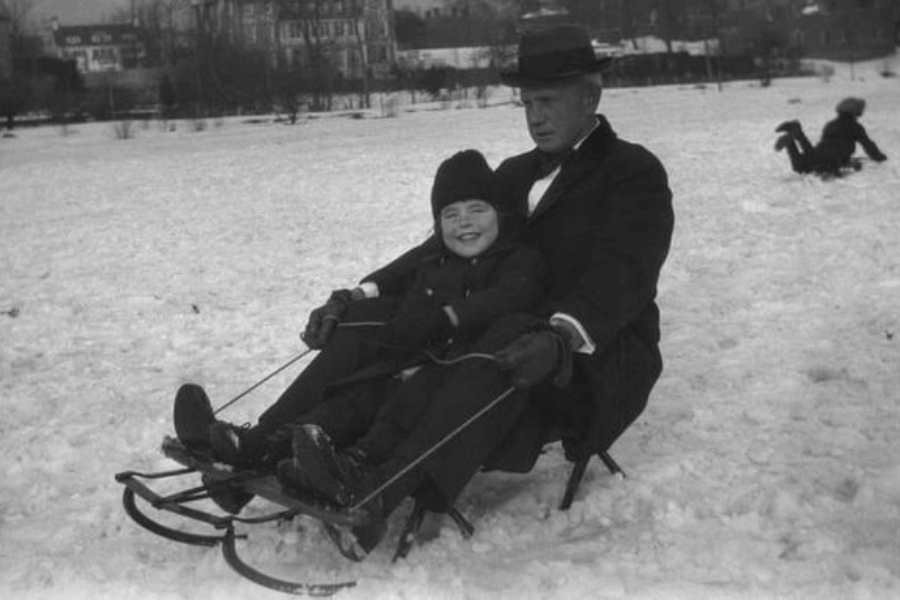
{"x": 833, "y": 155}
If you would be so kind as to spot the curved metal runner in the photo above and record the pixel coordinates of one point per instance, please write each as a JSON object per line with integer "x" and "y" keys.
{"x": 176, "y": 504}
{"x": 167, "y": 532}
{"x": 229, "y": 551}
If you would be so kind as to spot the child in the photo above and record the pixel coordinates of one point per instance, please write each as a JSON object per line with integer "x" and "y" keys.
{"x": 478, "y": 273}
{"x": 834, "y": 151}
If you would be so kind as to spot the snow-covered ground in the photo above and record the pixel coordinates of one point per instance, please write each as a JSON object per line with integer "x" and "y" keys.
{"x": 766, "y": 466}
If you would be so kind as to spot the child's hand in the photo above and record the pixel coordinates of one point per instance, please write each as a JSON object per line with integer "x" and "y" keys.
{"x": 324, "y": 320}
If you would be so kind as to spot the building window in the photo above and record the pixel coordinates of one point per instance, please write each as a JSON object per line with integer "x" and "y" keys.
{"x": 104, "y": 58}
{"x": 250, "y": 34}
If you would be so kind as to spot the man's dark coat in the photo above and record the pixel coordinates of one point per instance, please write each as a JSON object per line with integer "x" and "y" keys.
{"x": 604, "y": 228}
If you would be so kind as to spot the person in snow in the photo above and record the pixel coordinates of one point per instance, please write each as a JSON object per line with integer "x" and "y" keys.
{"x": 833, "y": 155}
{"x": 449, "y": 300}
{"x": 600, "y": 213}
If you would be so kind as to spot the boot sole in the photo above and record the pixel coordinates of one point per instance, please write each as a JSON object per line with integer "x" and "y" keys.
{"x": 193, "y": 416}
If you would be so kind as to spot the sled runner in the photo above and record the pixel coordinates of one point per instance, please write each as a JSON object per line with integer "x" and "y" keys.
{"x": 218, "y": 480}
{"x": 220, "y": 476}
{"x": 265, "y": 485}
{"x": 260, "y": 483}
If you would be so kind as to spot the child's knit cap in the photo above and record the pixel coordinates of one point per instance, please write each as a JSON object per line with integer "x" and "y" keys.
{"x": 464, "y": 176}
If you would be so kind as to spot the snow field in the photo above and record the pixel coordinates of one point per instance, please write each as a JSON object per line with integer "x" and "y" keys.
{"x": 766, "y": 466}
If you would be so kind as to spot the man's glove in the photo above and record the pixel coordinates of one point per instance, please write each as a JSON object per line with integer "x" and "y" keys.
{"x": 536, "y": 356}
{"x": 415, "y": 329}
{"x": 324, "y": 320}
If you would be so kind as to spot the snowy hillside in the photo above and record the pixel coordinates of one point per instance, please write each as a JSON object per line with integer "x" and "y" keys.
{"x": 766, "y": 466}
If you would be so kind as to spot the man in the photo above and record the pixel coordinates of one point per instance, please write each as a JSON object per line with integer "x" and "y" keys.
{"x": 600, "y": 213}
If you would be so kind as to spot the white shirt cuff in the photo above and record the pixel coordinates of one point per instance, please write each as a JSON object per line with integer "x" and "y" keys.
{"x": 588, "y": 347}
{"x": 369, "y": 288}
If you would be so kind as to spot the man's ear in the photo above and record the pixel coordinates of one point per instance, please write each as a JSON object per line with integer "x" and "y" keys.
{"x": 592, "y": 96}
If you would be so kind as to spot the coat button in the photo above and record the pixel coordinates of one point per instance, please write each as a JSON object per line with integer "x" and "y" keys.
{"x": 429, "y": 292}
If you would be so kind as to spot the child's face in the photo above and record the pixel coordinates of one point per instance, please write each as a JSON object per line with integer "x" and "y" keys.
{"x": 469, "y": 227}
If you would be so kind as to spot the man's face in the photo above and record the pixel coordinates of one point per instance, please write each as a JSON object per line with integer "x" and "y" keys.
{"x": 558, "y": 115}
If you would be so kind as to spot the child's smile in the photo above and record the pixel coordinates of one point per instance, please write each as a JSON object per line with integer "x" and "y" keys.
{"x": 469, "y": 227}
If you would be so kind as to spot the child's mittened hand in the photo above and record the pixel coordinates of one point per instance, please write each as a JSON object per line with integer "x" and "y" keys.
{"x": 324, "y": 320}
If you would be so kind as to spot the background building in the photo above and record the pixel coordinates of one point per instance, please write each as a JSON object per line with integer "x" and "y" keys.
{"x": 99, "y": 48}
{"x": 352, "y": 36}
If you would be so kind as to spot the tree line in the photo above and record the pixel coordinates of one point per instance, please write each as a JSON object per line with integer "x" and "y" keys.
{"x": 203, "y": 71}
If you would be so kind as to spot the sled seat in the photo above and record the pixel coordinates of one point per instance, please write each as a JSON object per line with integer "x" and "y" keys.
{"x": 579, "y": 466}
{"x": 576, "y": 474}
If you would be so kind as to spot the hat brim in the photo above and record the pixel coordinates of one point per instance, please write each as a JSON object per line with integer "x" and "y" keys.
{"x": 524, "y": 79}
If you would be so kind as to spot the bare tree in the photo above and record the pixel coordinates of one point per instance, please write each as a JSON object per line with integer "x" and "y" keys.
{"x": 16, "y": 93}
{"x": 713, "y": 66}
{"x": 163, "y": 17}
{"x": 666, "y": 16}
{"x": 161, "y": 20}
{"x": 309, "y": 15}
{"x": 356, "y": 11}
{"x": 18, "y": 12}
{"x": 628, "y": 18}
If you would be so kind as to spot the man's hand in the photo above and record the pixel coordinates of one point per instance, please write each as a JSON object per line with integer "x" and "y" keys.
{"x": 536, "y": 356}
{"x": 324, "y": 320}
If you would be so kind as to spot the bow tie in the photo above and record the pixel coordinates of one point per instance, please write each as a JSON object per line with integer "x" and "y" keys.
{"x": 547, "y": 163}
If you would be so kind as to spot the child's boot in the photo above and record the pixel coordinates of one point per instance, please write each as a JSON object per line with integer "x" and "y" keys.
{"x": 193, "y": 416}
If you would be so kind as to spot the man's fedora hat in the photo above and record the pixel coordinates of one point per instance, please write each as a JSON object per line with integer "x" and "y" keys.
{"x": 553, "y": 54}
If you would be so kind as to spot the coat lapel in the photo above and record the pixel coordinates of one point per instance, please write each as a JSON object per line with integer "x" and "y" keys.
{"x": 580, "y": 164}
